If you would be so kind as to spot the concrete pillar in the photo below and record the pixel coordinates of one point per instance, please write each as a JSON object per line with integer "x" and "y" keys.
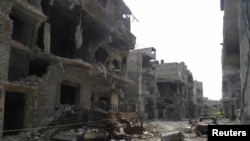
{"x": 238, "y": 116}
{"x": 85, "y": 96}
{"x": 5, "y": 33}
{"x": 114, "y": 102}
{"x": 46, "y": 38}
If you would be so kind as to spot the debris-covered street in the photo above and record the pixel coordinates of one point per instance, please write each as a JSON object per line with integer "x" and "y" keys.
{"x": 71, "y": 70}
{"x": 155, "y": 129}
{"x": 71, "y": 123}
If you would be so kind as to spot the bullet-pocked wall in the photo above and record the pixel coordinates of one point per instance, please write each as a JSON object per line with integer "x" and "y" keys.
{"x": 61, "y": 52}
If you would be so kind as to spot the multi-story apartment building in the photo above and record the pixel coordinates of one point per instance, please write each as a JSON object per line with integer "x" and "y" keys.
{"x": 142, "y": 96}
{"x": 61, "y": 52}
{"x": 175, "y": 86}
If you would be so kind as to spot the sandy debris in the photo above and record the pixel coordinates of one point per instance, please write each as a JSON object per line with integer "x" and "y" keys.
{"x": 159, "y": 127}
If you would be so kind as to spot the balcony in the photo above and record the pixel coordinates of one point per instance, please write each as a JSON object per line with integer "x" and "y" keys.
{"x": 113, "y": 15}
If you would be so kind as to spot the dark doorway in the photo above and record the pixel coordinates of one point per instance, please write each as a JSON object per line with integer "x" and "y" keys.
{"x": 13, "y": 112}
{"x": 69, "y": 95}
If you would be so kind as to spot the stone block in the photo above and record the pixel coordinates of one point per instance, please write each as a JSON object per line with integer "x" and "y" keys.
{"x": 173, "y": 136}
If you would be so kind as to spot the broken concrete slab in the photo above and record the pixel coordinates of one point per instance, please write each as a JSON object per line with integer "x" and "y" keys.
{"x": 173, "y": 136}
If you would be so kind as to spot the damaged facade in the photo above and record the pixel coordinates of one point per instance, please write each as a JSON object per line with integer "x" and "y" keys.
{"x": 165, "y": 90}
{"x": 211, "y": 107}
{"x": 175, "y": 86}
{"x": 231, "y": 85}
{"x": 197, "y": 104}
{"x": 142, "y": 96}
{"x": 235, "y": 59}
{"x": 61, "y": 52}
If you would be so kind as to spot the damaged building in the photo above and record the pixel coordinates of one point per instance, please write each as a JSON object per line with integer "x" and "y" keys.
{"x": 175, "y": 86}
{"x": 197, "y": 104}
{"x": 61, "y": 52}
{"x": 211, "y": 107}
{"x": 234, "y": 56}
{"x": 142, "y": 96}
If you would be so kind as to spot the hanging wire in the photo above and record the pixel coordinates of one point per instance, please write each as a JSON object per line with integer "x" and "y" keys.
{"x": 55, "y": 126}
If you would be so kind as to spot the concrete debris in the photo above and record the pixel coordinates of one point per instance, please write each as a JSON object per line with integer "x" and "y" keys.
{"x": 31, "y": 79}
{"x": 59, "y": 58}
{"x": 125, "y": 125}
{"x": 187, "y": 130}
{"x": 30, "y": 136}
{"x": 173, "y": 136}
{"x": 200, "y": 125}
{"x": 70, "y": 135}
{"x": 146, "y": 134}
{"x": 65, "y": 111}
{"x": 101, "y": 68}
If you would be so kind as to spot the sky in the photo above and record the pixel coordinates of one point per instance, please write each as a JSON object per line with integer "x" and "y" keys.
{"x": 189, "y": 31}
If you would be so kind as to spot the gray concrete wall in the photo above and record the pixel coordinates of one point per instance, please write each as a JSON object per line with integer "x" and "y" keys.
{"x": 4, "y": 61}
{"x": 231, "y": 82}
{"x": 244, "y": 62}
{"x": 231, "y": 54}
{"x": 141, "y": 72}
{"x": 171, "y": 71}
{"x": 198, "y": 97}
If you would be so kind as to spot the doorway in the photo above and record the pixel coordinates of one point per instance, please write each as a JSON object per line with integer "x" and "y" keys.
{"x": 13, "y": 112}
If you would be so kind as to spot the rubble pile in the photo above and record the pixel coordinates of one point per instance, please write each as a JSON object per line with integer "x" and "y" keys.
{"x": 159, "y": 129}
{"x": 173, "y": 136}
{"x": 35, "y": 135}
{"x": 65, "y": 112}
{"x": 69, "y": 122}
{"x": 29, "y": 80}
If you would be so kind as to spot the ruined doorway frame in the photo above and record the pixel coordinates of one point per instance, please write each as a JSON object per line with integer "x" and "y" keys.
{"x": 17, "y": 88}
{"x": 77, "y": 90}
{"x": 14, "y": 110}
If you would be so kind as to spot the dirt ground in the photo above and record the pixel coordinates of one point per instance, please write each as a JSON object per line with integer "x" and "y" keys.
{"x": 155, "y": 129}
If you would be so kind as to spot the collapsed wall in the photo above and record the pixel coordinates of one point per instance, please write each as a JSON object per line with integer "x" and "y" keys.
{"x": 61, "y": 52}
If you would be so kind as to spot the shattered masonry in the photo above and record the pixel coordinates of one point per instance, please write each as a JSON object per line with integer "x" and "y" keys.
{"x": 57, "y": 52}
{"x": 165, "y": 90}
{"x": 65, "y": 61}
{"x": 231, "y": 59}
{"x": 235, "y": 60}
{"x": 180, "y": 96}
{"x": 142, "y": 97}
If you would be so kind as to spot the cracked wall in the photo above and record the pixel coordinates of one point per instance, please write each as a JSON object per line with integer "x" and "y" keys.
{"x": 175, "y": 86}
{"x": 61, "y": 52}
